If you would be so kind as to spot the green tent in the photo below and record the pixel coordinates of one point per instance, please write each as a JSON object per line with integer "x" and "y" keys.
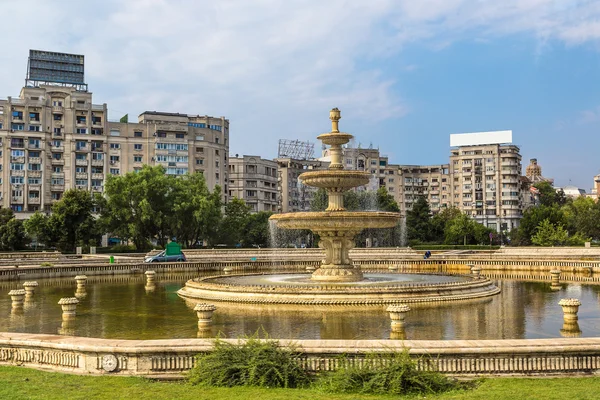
{"x": 173, "y": 249}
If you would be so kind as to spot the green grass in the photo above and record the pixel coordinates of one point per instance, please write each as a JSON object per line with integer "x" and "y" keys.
{"x": 18, "y": 383}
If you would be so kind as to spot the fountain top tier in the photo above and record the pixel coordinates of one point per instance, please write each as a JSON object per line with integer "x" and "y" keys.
{"x": 335, "y": 180}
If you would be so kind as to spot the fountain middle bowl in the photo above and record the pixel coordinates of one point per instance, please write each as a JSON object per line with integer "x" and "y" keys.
{"x": 322, "y": 221}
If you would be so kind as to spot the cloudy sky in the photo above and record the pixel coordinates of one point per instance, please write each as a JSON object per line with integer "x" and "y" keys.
{"x": 405, "y": 73}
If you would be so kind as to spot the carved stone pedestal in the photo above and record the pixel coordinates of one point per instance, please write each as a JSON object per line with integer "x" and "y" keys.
{"x": 337, "y": 265}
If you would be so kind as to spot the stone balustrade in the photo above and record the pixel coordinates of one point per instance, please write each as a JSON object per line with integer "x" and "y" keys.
{"x": 164, "y": 358}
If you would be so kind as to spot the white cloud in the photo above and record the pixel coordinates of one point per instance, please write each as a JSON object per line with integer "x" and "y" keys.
{"x": 273, "y": 67}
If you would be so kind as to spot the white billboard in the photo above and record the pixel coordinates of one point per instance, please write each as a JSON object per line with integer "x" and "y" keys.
{"x": 479, "y": 138}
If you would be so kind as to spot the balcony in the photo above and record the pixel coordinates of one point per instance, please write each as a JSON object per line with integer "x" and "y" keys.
{"x": 82, "y": 187}
{"x": 97, "y": 188}
{"x": 35, "y": 186}
{"x": 18, "y": 160}
{"x": 17, "y": 173}
{"x": 58, "y": 110}
{"x": 16, "y": 200}
{"x": 58, "y": 162}
{"x": 58, "y": 175}
{"x": 97, "y": 175}
{"x": 97, "y": 163}
{"x": 434, "y": 192}
{"x": 510, "y": 171}
{"x": 490, "y": 172}
{"x": 81, "y": 175}
{"x": 33, "y": 200}
{"x": 57, "y": 188}
{"x": 81, "y": 162}
{"x": 97, "y": 124}
{"x": 34, "y": 174}
{"x": 82, "y": 149}
{"x": 35, "y": 160}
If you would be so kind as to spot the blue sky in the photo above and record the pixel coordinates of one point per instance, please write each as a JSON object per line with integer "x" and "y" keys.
{"x": 406, "y": 74}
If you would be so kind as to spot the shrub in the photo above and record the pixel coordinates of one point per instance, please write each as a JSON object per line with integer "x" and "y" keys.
{"x": 251, "y": 362}
{"x": 393, "y": 373}
{"x": 46, "y": 264}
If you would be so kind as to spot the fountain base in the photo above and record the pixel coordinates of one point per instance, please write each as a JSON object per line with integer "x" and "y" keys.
{"x": 338, "y": 273}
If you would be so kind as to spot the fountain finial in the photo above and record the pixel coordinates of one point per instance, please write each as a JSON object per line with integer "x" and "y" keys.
{"x": 335, "y": 115}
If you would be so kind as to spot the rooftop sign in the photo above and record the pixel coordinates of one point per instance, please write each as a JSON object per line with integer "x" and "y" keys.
{"x": 480, "y": 138}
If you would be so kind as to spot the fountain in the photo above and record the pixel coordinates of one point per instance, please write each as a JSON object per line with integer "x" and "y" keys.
{"x": 335, "y": 226}
{"x": 337, "y": 280}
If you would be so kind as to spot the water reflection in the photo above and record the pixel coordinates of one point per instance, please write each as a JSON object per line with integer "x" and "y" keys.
{"x": 122, "y": 306}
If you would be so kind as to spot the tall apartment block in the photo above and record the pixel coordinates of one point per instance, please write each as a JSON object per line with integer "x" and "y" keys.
{"x": 254, "y": 180}
{"x": 485, "y": 183}
{"x": 53, "y": 138}
{"x": 430, "y": 181}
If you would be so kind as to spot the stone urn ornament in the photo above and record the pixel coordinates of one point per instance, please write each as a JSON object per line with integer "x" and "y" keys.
{"x": 397, "y": 314}
{"x": 476, "y": 271}
{"x": 150, "y": 276}
{"x": 69, "y": 306}
{"x": 204, "y": 312}
{"x": 17, "y": 297}
{"x": 81, "y": 281}
{"x": 570, "y": 308}
{"x": 30, "y": 288}
{"x": 555, "y": 277}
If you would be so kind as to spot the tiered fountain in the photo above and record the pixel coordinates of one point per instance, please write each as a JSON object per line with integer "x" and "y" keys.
{"x": 337, "y": 280}
{"x": 335, "y": 226}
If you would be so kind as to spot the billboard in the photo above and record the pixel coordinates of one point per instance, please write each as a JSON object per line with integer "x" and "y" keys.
{"x": 50, "y": 67}
{"x": 480, "y": 138}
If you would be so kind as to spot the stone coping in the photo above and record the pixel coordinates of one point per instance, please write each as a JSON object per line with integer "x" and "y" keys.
{"x": 312, "y": 346}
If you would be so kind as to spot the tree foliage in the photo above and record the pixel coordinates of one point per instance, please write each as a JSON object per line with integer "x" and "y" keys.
{"x": 418, "y": 221}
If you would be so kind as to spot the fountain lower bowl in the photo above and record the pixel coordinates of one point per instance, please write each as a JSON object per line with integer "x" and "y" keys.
{"x": 340, "y": 221}
{"x": 297, "y": 288}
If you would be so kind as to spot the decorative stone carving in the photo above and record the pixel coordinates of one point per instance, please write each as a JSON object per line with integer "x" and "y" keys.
{"x": 570, "y": 308}
{"x": 570, "y": 329}
{"x": 555, "y": 279}
{"x": 150, "y": 276}
{"x": 204, "y": 312}
{"x": 475, "y": 271}
{"x": 109, "y": 363}
{"x": 69, "y": 307}
{"x": 81, "y": 281}
{"x": 397, "y": 314}
{"x": 30, "y": 287}
{"x": 17, "y": 297}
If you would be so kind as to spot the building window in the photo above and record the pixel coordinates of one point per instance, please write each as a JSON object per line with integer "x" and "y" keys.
{"x": 34, "y": 117}
{"x": 199, "y": 137}
{"x": 114, "y": 171}
{"x": 81, "y": 119}
{"x": 177, "y": 171}
{"x": 137, "y": 158}
{"x": 80, "y": 156}
{"x": 56, "y": 156}
{"x": 57, "y": 131}
{"x": 35, "y": 167}
{"x": 161, "y": 134}
{"x": 97, "y": 156}
{"x": 17, "y": 127}
{"x": 34, "y": 181}
{"x": 137, "y": 146}
{"x": 34, "y": 154}
{"x": 199, "y": 162}
{"x": 56, "y": 195}
{"x": 16, "y": 207}
{"x": 16, "y": 180}
{"x": 115, "y": 146}
{"x": 250, "y": 193}
{"x": 17, "y": 114}
{"x": 82, "y": 131}
{"x": 172, "y": 146}
{"x": 137, "y": 134}
{"x": 17, "y": 153}
{"x": 115, "y": 132}
{"x": 17, "y": 167}
{"x": 81, "y": 182}
{"x": 217, "y": 140}
{"x": 114, "y": 159}
{"x": 97, "y": 131}
{"x": 179, "y": 136}
{"x": 57, "y": 169}
{"x": 215, "y": 127}
{"x": 34, "y": 195}
{"x": 57, "y": 103}
{"x": 34, "y": 128}
{"x": 58, "y": 181}
{"x": 197, "y": 125}
{"x": 81, "y": 169}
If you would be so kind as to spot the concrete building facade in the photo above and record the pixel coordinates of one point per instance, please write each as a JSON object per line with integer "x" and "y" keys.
{"x": 54, "y": 138}
{"x": 293, "y": 194}
{"x": 254, "y": 180}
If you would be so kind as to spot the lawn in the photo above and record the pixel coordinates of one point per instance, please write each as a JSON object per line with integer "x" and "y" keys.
{"x": 18, "y": 383}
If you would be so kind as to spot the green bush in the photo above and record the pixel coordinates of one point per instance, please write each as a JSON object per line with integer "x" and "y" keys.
{"x": 393, "y": 373}
{"x": 46, "y": 264}
{"x": 452, "y": 247}
{"x": 251, "y": 362}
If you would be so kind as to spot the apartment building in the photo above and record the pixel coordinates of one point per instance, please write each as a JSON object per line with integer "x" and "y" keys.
{"x": 430, "y": 181}
{"x": 254, "y": 180}
{"x": 293, "y": 194}
{"x": 484, "y": 182}
{"x": 54, "y": 138}
{"x": 181, "y": 143}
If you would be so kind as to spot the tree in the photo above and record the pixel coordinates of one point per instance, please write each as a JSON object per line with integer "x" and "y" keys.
{"x": 549, "y": 234}
{"x": 418, "y": 221}
{"x": 532, "y": 218}
{"x": 319, "y": 200}
{"x": 458, "y": 228}
{"x": 439, "y": 222}
{"x": 12, "y": 235}
{"x": 36, "y": 227}
{"x": 583, "y": 215}
{"x": 550, "y": 196}
{"x": 385, "y": 201}
{"x": 257, "y": 230}
{"x": 234, "y": 221}
{"x": 72, "y": 223}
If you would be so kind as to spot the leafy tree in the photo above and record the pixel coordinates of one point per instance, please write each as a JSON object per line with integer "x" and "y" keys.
{"x": 439, "y": 222}
{"x": 418, "y": 221}
{"x": 36, "y": 227}
{"x": 319, "y": 201}
{"x": 550, "y": 196}
{"x": 72, "y": 223}
{"x": 532, "y": 218}
{"x": 256, "y": 231}
{"x": 234, "y": 221}
{"x": 458, "y": 228}
{"x": 12, "y": 235}
{"x": 549, "y": 234}
{"x": 385, "y": 201}
{"x": 583, "y": 215}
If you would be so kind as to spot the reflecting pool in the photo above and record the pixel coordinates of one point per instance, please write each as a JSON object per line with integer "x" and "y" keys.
{"x": 124, "y": 307}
